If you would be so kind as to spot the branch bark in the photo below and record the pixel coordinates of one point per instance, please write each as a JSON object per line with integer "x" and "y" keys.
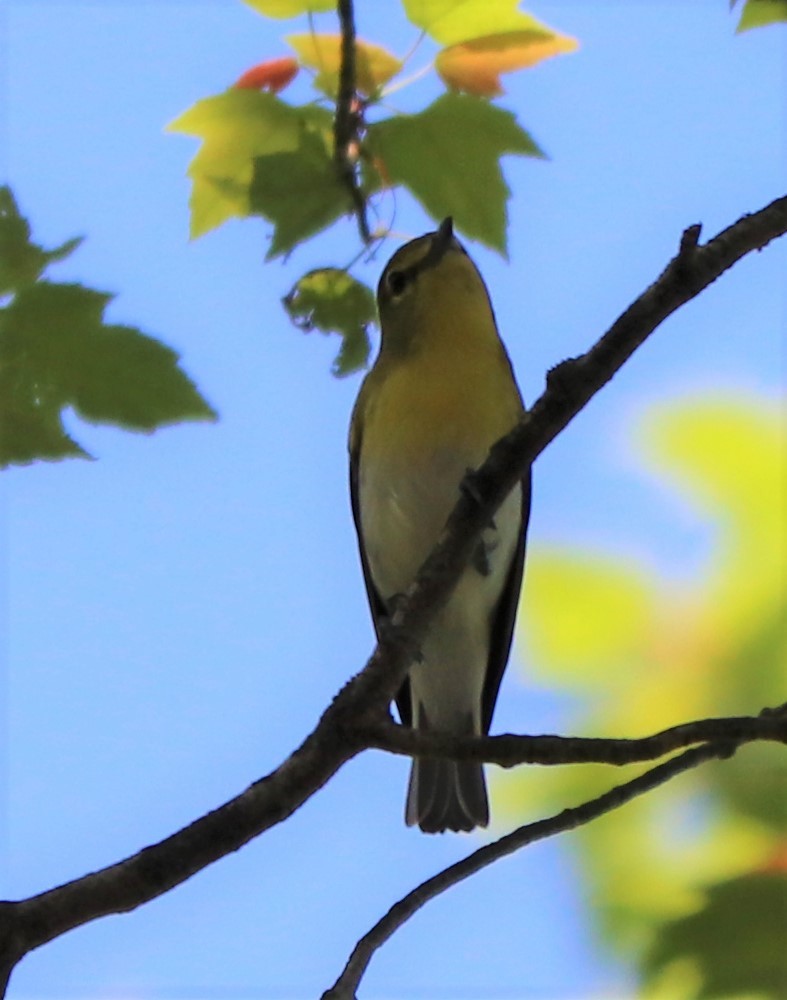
{"x": 343, "y": 729}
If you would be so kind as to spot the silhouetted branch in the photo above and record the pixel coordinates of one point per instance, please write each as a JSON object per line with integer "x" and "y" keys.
{"x": 510, "y": 750}
{"x": 569, "y": 819}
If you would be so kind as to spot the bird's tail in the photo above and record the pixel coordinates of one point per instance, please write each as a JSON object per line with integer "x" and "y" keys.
{"x": 446, "y": 795}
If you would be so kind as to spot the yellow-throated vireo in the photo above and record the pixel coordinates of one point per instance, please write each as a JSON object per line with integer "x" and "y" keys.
{"x": 441, "y": 392}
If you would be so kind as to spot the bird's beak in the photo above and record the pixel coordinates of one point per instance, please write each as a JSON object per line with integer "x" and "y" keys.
{"x": 441, "y": 241}
{"x": 444, "y": 235}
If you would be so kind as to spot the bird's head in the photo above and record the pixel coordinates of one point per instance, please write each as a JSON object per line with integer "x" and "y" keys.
{"x": 426, "y": 286}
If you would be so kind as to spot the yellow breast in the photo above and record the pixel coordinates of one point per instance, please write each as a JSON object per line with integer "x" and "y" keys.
{"x": 429, "y": 403}
{"x": 424, "y": 425}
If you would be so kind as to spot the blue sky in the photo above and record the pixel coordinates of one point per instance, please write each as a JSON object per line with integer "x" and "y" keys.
{"x": 178, "y": 613}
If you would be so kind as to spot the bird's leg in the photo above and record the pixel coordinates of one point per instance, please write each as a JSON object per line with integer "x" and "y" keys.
{"x": 392, "y": 605}
{"x": 469, "y": 488}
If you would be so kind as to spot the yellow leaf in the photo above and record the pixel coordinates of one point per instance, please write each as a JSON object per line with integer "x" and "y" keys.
{"x": 724, "y": 453}
{"x": 236, "y": 128}
{"x": 290, "y": 8}
{"x": 452, "y": 21}
{"x": 585, "y": 616}
{"x": 727, "y": 456}
{"x": 475, "y": 66}
{"x": 374, "y": 65}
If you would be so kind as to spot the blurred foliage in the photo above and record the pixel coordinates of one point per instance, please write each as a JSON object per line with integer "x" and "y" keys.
{"x": 56, "y": 352}
{"x": 290, "y": 8}
{"x": 689, "y": 882}
{"x": 734, "y": 944}
{"x": 758, "y": 14}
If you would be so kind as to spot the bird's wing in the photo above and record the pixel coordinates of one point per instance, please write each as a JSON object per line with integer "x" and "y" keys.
{"x": 504, "y": 618}
{"x": 376, "y": 603}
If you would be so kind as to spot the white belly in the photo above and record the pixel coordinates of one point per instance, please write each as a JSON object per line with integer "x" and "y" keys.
{"x": 404, "y": 512}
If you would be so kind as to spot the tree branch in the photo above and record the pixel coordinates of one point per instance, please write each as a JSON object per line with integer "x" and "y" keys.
{"x": 569, "y": 819}
{"x": 364, "y": 701}
{"x": 345, "y": 123}
{"x": 510, "y": 750}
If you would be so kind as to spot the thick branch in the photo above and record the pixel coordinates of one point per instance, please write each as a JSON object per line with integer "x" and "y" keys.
{"x": 569, "y": 819}
{"x": 509, "y": 750}
{"x": 121, "y": 887}
{"x": 345, "y": 124}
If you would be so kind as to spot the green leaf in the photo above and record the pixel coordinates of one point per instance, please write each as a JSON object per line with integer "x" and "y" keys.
{"x": 758, "y": 13}
{"x": 64, "y": 250}
{"x": 332, "y": 301}
{"x": 754, "y": 783}
{"x": 298, "y": 191}
{"x": 449, "y": 158}
{"x": 735, "y": 942}
{"x": 31, "y": 425}
{"x": 240, "y": 129}
{"x": 588, "y": 617}
{"x": 21, "y": 261}
{"x": 290, "y": 8}
{"x": 56, "y": 352}
{"x": 134, "y": 381}
{"x": 353, "y": 355}
{"x": 452, "y": 21}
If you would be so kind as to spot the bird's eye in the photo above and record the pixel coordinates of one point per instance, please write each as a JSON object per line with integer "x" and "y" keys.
{"x": 397, "y": 281}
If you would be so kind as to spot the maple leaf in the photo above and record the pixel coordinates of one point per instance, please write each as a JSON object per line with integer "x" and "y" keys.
{"x": 57, "y": 353}
{"x": 475, "y": 66}
{"x": 332, "y": 301}
{"x": 374, "y": 65}
{"x": 759, "y": 13}
{"x": 260, "y": 155}
{"x": 449, "y": 157}
{"x": 451, "y": 21}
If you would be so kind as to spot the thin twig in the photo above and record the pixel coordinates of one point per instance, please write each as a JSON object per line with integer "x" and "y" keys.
{"x": 569, "y": 819}
{"x": 345, "y": 124}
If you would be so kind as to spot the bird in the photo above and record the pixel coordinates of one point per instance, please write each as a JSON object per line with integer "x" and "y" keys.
{"x": 441, "y": 392}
